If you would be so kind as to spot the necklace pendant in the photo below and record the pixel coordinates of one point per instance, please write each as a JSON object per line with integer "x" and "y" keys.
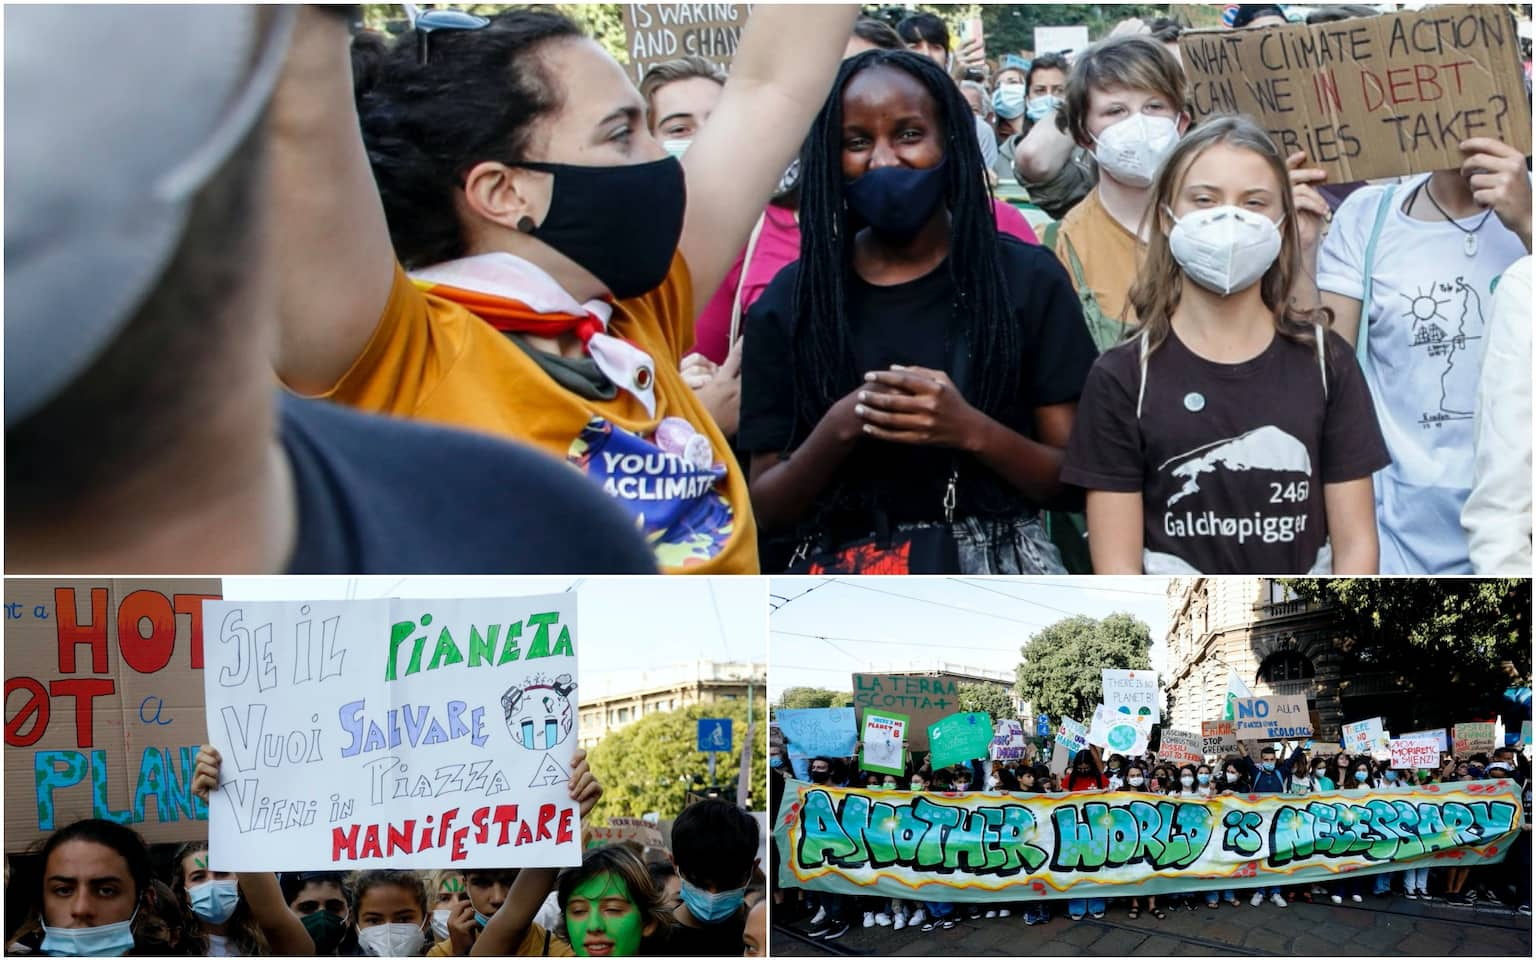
{"x": 1470, "y": 245}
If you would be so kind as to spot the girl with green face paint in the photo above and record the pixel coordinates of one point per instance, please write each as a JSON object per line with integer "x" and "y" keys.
{"x": 609, "y": 905}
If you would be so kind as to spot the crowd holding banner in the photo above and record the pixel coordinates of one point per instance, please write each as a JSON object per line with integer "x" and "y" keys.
{"x": 192, "y": 776}
{"x": 1090, "y": 814}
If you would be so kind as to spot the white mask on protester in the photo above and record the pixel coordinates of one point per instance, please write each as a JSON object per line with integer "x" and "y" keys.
{"x": 392, "y": 940}
{"x": 1224, "y": 249}
{"x": 1133, "y": 149}
{"x": 1137, "y": 781}
{"x": 1187, "y": 781}
{"x": 440, "y": 923}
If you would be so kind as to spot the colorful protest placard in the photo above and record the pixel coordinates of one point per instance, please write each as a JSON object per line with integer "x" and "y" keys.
{"x": 1411, "y": 753}
{"x": 104, "y": 706}
{"x": 656, "y": 32}
{"x": 959, "y": 738}
{"x": 818, "y": 731}
{"x": 1181, "y": 747}
{"x": 1119, "y": 733}
{"x": 1525, "y": 732}
{"x": 399, "y": 733}
{"x": 923, "y": 699}
{"x": 1072, "y": 734}
{"x": 1472, "y": 737}
{"x": 1218, "y": 738}
{"x": 1366, "y": 738}
{"x": 884, "y": 740}
{"x": 1279, "y": 717}
{"x": 1236, "y": 690}
{"x": 1370, "y": 97}
{"x": 1132, "y": 692}
{"x": 1007, "y": 741}
{"x": 991, "y": 847}
{"x": 1439, "y": 733}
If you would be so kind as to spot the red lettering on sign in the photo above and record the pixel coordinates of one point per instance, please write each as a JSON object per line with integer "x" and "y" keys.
{"x": 146, "y": 653}
{"x": 35, "y": 709}
{"x": 84, "y": 690}
{"x": 71, "y": 633}
{"x": 192, "y": 605}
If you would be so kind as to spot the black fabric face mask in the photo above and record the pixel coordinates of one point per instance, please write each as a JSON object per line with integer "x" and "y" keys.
{"x": 621, "y": 224}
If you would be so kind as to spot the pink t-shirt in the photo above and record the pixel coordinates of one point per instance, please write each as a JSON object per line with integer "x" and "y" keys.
{"x": 777, "y": 247}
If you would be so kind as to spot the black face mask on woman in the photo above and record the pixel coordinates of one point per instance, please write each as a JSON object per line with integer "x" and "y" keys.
{"x": 897, "y": 201}
{"x": 621, "y": 224}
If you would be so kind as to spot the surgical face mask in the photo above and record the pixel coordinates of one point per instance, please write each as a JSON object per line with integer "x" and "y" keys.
{"x": 890, "y": 785}
{"x": 676, "y": 147}
{"x": 1390, "y": 775}
{"x": 1133, "y": 149}
{"x": 1008, "y": 101}
{"x": 1114, "y": 769}
{"x": 917, "y": 785}
{"x": 1231, "y": 776}
{"x": 102, "y": 941}
{"x": 482, "y": 919}
{"x": 775, "y": 761}
{"x": 1268, "y": 765}
{"x": 1038, "y": 108}
{"x": 1224, "y": 249}
{"x": 1187, "y": 781}
{"x": 215, "y": 901}
{"x": 1320, "y": 772}
{"x": 711, "y": 908}
{"x": 327, "y": 930}
{"x": 1360, "y": 775}
{"x": 392, "y": 940}
{"x": 440, "y": 923}
{"x": 1136, "y": 781}
{"x": 1203, "y": 778}
{"x": 992, "y": 783}
{"x": 897, "y": 201}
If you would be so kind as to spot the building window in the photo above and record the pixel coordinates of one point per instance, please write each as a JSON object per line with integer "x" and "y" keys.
{"x": 1286, "y": 666}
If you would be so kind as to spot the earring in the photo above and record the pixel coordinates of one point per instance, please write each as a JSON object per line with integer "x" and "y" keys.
{"x": 525, "y": 225}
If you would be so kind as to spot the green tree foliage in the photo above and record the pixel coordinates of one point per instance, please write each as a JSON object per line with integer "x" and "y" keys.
{"x": 1060, "y": 673}
{"x": 991, "y": 698}
{"x": 799, "y": 698}
{"x": 648, "y": 765}
{"x": 1461, "y": 642}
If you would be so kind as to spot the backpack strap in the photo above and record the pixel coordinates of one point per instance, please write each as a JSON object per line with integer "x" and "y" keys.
{"x": 741, "y": 282}
{"x": 1048, "y": 239}
{"x": 1363, "y": 334}
{"x": 1322, "y": 357}
{"x": 1144, "y": 350}
{"x": 1077, "y": 265}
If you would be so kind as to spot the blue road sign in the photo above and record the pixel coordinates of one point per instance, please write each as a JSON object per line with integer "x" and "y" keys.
{"x": 714, "y": 734}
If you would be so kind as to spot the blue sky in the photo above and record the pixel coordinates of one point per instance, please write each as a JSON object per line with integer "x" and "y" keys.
{"x": 874, "y": 623}
{"x": 627, "y": 623}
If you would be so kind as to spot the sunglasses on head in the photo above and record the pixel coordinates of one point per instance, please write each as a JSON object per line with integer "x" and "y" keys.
{"x": 434, "y": 20}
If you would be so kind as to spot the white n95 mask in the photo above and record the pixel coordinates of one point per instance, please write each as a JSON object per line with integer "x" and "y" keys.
{"x": 1133, "y": 149}
{"x": 1224, "y": 249}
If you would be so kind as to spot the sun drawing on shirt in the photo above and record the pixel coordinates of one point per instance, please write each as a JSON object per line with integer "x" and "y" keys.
{"x": 1424, "y": 307}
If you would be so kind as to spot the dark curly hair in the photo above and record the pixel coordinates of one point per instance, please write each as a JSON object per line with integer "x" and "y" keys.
{"x": 425, "y": 126}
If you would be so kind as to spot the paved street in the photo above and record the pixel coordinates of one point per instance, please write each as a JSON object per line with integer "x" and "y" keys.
{"x": 1382, "y": 926}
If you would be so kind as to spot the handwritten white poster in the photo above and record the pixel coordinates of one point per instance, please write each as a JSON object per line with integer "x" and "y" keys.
{"x": 1132, "y": 692}
{"x": 392, "y": 733}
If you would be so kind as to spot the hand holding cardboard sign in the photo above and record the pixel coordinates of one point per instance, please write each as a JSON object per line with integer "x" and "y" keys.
{"x": 205, "y": 775}
{"x": 1312, "y": 210}
{"x": 1498, "y": 178}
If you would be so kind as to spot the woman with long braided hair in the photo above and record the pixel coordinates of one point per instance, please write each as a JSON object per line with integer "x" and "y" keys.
{"x": 915, "y": 369}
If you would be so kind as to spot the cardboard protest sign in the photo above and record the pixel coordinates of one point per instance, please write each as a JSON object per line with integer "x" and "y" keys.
{"x": 1472, "y": 737}
{"x": 104, "y": 705}
{"x": 626, "y": 829}
{"x": 1118, "y": 733}
{"x": 1072, "y": 735}
{"x": 959, "y": 738}
{"x": 1060, "y": 758}
{"x": 1001, "y": 846}
{"x": 399, "y": 733}
{"x": 1007, "y": 741}
{"x": 1218, "y": 738}
{"x": 1367, "y": 738}
{"x": 884, "y": 740}
{"x": 1132, "y": 692}
{"x": 1181, "y": 747}
{"x": 1370, "y": 97}
{"x": 923, "y": 699}
{"x": 1277, "y": 717}
{"x": 657, "y": 32}
{"x": 1409, "y": 753}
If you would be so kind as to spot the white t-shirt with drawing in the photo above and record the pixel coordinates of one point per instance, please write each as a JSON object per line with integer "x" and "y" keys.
{"x": 1428, "y": 313}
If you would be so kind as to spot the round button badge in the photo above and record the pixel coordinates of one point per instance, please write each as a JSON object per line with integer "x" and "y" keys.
{"x": 1194, "y": 403}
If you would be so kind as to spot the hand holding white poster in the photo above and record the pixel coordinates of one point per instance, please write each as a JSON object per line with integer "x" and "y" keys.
{"x": 392, "y": 733}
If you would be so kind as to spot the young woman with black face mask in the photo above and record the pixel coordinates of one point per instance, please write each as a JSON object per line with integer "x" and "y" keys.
{"x": 557, "y": 253}
{"x": 912, "y": 379}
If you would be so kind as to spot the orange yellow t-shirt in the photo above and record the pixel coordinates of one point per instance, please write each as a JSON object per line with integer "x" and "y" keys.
{"x": 1110, "y": 255}
{"x": 433, "y": 360}
{"x": 537, "y": 943}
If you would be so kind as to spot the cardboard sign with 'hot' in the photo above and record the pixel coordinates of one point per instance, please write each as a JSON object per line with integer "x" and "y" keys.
{"x": 1370, "y": 97}
{"x": 657, "y": 32}
{"x": 104, "y": 706}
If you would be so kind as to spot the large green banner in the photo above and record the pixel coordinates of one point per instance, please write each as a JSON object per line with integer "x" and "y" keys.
{"x": 1011, "y": 847}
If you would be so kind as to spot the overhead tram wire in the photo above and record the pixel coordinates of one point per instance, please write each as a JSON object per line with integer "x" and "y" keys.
{"x": 1026, "y": 600}
{"x": 892, "y": 643}
{"x": 924, "y": 600}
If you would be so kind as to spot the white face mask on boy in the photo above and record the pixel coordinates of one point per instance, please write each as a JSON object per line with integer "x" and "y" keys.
{"x": 1131, "y": 151}
{"x": 1224, "y": 249}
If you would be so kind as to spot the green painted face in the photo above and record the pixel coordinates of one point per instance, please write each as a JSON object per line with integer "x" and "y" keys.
{"x": 602, "y": 919}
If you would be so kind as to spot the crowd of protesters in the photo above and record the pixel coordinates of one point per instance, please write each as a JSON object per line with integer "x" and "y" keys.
{"x": 1253, "y": 770}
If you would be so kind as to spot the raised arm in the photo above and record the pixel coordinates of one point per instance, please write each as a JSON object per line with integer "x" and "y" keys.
{"x": 285, "y": 932}
{"x": 1043, "y": 151}
{"x": 780, "y": 77}
{"x": 332, "y": 250}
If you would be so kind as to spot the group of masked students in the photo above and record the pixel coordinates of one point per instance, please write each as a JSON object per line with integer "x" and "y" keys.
{"x": 832, "y": 916}
{"x": 96, "y": 893}
{"x": 817, "y": 332}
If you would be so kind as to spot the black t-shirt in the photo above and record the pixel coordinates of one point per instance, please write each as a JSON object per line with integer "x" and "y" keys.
{"x": 726, "y": 939}
{"x": 1230, "y": 459}
{"x": 907, "y": 324}
{"x": 384, "y": 496}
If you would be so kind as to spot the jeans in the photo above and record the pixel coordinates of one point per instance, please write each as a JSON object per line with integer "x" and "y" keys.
{"x": 1077, "y": 907}
{"x": 1212, "y": 897}
{"x": 834, "y": 905}
{"x": 938, "y": 909}
{"x": 1383, "y": 882}
{"x": 1416, "y": 879}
